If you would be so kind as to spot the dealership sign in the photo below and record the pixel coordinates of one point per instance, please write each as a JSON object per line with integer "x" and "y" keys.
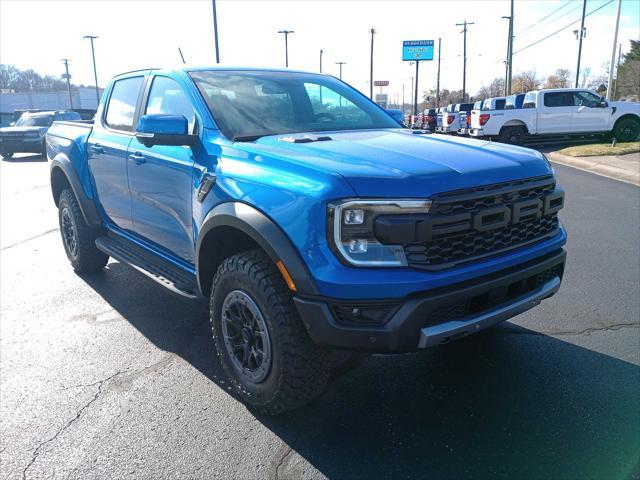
{"x": 417, "y": 50}
{"x": 381, "y": 83}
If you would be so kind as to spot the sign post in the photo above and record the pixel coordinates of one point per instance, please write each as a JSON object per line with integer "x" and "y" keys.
{"x": 416, "y": 51}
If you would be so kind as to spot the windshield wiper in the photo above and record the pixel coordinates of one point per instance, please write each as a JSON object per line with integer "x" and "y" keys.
{"x": 246, "y": 138}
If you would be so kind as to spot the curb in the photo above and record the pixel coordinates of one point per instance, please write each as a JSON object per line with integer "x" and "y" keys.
{"x": 592, "y": 165}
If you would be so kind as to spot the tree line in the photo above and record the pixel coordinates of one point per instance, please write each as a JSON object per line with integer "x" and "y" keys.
{"x": 17, "y": 80}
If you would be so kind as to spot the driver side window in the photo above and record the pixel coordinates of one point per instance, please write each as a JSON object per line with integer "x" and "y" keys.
{"x": 167, "y": 97}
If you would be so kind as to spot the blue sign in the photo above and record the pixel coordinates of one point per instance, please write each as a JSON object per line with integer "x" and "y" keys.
{"x": 413, "y": 50}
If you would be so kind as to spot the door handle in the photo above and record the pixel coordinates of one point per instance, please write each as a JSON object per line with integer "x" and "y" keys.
{"x": 137, "y": 158}
{"x": 96, "y": 148}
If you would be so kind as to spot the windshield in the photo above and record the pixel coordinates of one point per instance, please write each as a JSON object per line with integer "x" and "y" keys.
{"x": 249, "y": 104}
{"x": 45, "y": 121}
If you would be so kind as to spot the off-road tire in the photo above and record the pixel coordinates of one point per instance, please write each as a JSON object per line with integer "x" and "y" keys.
{"x": 512, "y": 135}
{"x": 626, "y": 129}
{"x": 85, "y": 257}
{"x": 299, "y": 369}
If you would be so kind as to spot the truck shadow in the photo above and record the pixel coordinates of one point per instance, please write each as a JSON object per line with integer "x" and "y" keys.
{"x": 508, "y": 403}
{"x": 26, "y": 159}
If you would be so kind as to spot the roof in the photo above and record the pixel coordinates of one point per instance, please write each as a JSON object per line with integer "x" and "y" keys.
{"x": 199, "y": 68}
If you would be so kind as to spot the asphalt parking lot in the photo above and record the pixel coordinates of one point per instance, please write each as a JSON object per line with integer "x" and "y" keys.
{"x": 108, "y": 376}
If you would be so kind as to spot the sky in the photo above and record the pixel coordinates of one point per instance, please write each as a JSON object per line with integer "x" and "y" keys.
{"x": 147, "y": 33}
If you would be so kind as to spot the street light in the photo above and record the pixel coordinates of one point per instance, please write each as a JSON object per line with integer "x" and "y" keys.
{"x": 321, "y": 52}
{"x": 340, "y": 63}
{"x": 95, "y": 73}
{"x": 68, "y": 78}
{"x": 286, "y": 45}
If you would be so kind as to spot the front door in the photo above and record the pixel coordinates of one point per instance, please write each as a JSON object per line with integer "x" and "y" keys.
{"x": 107, "y": 151}
{"x": 161, "y": 177}
{"x": 590, "y": 116}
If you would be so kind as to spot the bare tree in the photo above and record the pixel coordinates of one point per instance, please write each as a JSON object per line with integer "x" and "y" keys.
{"x": 560, "y": 79}
{"x": 525, "y": 82}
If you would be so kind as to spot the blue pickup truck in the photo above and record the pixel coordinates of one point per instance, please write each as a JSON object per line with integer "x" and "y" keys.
{"x": 312, "y": 221}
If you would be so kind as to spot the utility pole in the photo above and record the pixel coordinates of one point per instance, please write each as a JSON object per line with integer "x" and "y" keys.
{"x": 615, "y": 87}
{"x": 411, "y": 63}
{"x": 68, "y": 77}
{"x": 286, "y": 46}
{"x": 403, "y": 98}
{"x": 321, "y": 52}
{"x": 215, "y": 30}
{"x": 340, "y": 63}
{"x": 415, "y": 93}
{"x": 95, "y": 73}
{"x": 464, "y": 56}
{"x": 372, "y": 32}
{"x": 438, "y": 81}
{"x": 509, "y": 62}
{"x": 613, "y": 54}
{"x": 581, "y": 35}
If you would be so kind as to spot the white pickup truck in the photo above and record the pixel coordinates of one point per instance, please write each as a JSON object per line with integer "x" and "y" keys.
{"x": 563, "y": 112}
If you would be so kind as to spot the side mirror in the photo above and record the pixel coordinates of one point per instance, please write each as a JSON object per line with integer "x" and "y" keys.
{"x": 603, "y": 103}
{"x": 397, "y": 115}
{"x": 161, "y": 129}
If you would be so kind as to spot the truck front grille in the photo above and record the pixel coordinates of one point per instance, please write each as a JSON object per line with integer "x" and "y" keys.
{"x": 446, "y": 250}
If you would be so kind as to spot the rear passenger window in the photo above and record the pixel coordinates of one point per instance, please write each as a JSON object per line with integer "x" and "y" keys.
{"x": 167, "y": 97}
{"x": 122, "y": 103}
{"x": 558, "y": 99}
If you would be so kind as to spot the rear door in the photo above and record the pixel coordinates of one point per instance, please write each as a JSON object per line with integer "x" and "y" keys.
{"x": 107, "y": 150}
{"x": 161, "y": 177}
{"x": 556, "y": 113}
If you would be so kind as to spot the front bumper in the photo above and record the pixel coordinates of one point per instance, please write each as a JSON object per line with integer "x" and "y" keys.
{"x": 433, "y": 317}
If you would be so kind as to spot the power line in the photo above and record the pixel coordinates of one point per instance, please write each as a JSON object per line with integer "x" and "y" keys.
{"x": 563, "y": 28}
{"x": 557, "y": 31}
{"x": 544, "y": 18}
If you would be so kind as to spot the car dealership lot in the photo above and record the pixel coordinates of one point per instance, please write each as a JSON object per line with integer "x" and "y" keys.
{"x": 101, "y": 381}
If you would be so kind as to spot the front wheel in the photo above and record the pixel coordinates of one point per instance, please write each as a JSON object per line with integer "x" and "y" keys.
{"x": 261, "y": 342}
{"x": 78, "y": 238}
{"x": 626, "y": 129}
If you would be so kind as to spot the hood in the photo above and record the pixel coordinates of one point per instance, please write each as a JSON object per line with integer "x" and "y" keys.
{"x": 626, "y": 106}
{"x": 23, "y": 129}
{"x": 399, "y": 163}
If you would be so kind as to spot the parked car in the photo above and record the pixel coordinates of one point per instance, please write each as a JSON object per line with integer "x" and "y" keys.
{"x": 28, "y": 133}
{"x": 310, "y": 228}
{"x": 462, "y": 110}
{"x": 560, "y": 113}
{"x": 442, "y": 112}
{"x": 429, "y": 119}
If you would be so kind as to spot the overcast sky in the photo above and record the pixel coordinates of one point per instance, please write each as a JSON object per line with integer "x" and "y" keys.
{"x": 147, "y": 33}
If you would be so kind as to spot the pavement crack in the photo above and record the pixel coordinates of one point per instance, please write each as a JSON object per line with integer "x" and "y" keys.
{"x": 79, "y": 413}
{"x": 30, "y": 238}
{"x": 283, "y": 457}
{"x": 584, "y": 331}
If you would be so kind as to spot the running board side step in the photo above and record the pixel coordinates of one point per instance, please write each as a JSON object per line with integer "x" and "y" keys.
{"x": 157, "y": 269}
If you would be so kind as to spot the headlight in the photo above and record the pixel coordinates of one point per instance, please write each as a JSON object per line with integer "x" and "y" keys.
{"x": 351, "y": 230}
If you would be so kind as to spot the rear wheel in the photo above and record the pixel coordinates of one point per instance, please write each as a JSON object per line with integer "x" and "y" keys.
{"x": 512, "y": 135}
{"x": 626, "y": 129}
{"x": 6, "y": 154}
{"x": 78, "y": 238}
{"x": 262, "y": 344}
